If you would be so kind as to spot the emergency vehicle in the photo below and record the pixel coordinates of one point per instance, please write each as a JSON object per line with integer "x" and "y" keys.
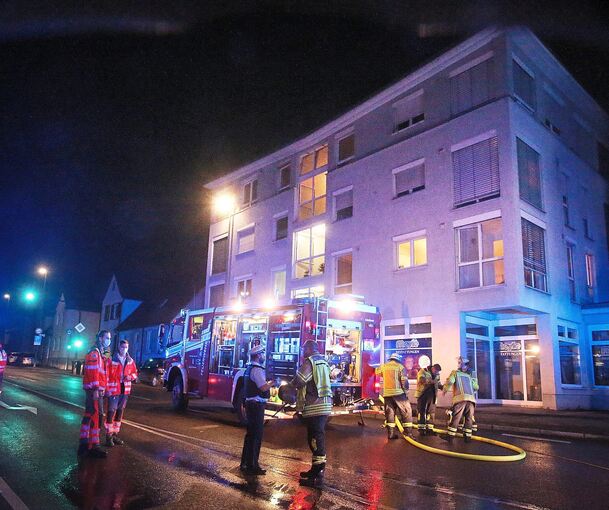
{"x": 207, "y": 350}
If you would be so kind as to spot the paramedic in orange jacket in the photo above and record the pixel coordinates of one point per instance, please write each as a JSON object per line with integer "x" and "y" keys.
{"x": 94, "y": 384}
{"x": 122, "y": 371}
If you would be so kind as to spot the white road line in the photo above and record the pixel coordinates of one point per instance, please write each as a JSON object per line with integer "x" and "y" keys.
{"x": 205, "y": 427}
{"x": 19, "y": 407}
{"x": 538, "y": 438}
{"x": 11, "y": 498}
{"x": 141, "y": 398}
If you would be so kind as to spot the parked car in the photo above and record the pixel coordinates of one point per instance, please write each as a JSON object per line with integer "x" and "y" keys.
{"x": 152, "y": 371}
{"x": 12, "y": 358}
{"x": 25, "y": 359}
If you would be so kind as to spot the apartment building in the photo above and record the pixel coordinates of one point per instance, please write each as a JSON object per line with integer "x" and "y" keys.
{"x": 468, "y": 201}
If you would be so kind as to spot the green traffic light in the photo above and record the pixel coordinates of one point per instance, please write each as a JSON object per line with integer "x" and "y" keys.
{"x": 29, "y": 296}
{"x": 69, "y": 347}
{"x": 78, "y": 343}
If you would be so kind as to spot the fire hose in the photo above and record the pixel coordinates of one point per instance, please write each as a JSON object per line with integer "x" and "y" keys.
{"x": 520, "y": 453}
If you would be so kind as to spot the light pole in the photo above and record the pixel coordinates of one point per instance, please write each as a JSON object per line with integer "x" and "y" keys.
{"x": 226, "y": 204}
{"x": 7, "y": 300}
{"x": 43, "y": 271}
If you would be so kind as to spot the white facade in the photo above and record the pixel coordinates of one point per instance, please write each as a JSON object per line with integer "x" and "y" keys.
{"x": 444, "y": 180}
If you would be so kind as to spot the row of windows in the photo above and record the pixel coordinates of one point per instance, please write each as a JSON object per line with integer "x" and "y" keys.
{"x": 570, "y": 360}
{"x": 479, "y": 257}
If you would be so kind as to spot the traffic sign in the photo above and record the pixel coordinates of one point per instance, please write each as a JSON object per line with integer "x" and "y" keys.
{"x": 38, "y": 331}
{"x": 80, "y": 327}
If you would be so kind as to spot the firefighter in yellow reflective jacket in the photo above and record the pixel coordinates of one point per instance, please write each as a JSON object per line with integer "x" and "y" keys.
{"x": 428, "y": 384}
{"x": 315, "y": 402}
{"x": 395, "y": 395}
{"x": 464, "y": 385}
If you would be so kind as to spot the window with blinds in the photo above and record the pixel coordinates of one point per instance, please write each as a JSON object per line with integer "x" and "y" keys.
{"x": 476, "y": 172}
{"x": 553, "y": 112}
{"x": 471, "y": 87}
{"x": 409, "y": 180}
{"x": 524, "y": 85}
{"x": 216, "y": 295}
{"x": 343, "y": 205}
{"x": 344, "y": 274}
{"x": 219, "y": 256}
{"x": 534, "y": 256}
{"x": 245, "y": 240}
{"x": 408, "y": 112}
{"x": 529, "y": 178}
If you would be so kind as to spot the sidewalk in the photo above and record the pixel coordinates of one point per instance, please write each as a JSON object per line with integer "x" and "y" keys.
{"x": 573, "y": 424}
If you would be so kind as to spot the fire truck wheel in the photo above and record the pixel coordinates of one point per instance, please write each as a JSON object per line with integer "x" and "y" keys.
{"x": 240, "y": 407}
{"x": 179, "y": 401}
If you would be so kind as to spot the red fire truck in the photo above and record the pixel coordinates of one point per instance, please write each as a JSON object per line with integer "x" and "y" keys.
{"x": 207, "y": 350}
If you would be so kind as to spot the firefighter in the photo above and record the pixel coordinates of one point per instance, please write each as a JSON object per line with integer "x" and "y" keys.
{"x": 257, "y": 392}
{"x": 428, "y": 384}
{"x": 395, "y": 395}
{"x": 463, "y": 384}
{"x": 94, "y": 384}
{"x": 122, "y": 371}
{"x": 3, "y": 359}
{"x": 315, "y": 401}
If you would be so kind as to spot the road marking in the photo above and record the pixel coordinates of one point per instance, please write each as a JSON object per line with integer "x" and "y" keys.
{"x": 538, "y": 438}
{"x": 19, "y": 407}
{"x": 10, "y": 497}
{"x": 205, "y": 427}
{"x": 142, "y": 398}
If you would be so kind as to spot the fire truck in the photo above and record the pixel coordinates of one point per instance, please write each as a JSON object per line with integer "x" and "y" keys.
{"x": 207, "y": 350}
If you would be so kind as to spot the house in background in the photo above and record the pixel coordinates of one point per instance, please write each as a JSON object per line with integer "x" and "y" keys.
{"x": 69, "y": 336}
{"x": 141, "y": 329}
{"x": 116, "y": 306}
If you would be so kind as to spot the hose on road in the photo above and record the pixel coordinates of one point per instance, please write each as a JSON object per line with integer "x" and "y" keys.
{"x": 520, "y": 453}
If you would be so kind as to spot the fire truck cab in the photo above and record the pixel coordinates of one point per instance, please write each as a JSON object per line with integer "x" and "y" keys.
{"x": 207, "y": 350}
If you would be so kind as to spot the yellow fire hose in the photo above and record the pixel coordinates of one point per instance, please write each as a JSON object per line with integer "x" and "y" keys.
{"x": 520, "y": 453}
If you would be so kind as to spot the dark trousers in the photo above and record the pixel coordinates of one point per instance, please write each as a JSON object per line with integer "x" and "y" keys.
{"x": 465, "y": 410}
{"x": 426, "y": 405}
{"x": 253, "y": 436}
{"x": 114, "y": 416}
{"x": 94, "y": 415}
{"x": 316, "y": 437}
{"x": 398, "y": 405}
{"x": 1, "y": 378}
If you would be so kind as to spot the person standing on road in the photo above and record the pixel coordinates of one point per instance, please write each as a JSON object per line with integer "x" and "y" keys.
{"x": 428, "y": 384}
{"x": 122, "y": 372}
{"x": 257, "y": 392}
{"x": 94, "y": 384}
{"x": 395, "y": 395}
{"x": 315, "y": 400}
{"x": 464, "y": 385}
{"x": 3, "y": 359}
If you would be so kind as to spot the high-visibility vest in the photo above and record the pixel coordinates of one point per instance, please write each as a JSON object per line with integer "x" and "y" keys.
{"x": 95, "y": 370}
{"x": 425, "y": 380}
{"x": 463, "y": 385}
{"x": 322, "y": 405}
{"x": 394, "y": 378}
{"x": 3, "y": 358}
{"x": 115, "y": 368}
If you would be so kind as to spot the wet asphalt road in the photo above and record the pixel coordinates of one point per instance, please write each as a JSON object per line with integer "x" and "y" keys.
{"x": 191, "y": 461}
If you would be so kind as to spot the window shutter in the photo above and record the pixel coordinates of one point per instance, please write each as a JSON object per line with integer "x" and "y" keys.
{"x": 533, "y": 246}
{"x": 476, "y": 172}
{"x": 411, "y": 179}
{"x": 246, "y": 240}
{"x": 406, "y": 110}
{"x": 528, "y": 174}
{"x": 471, "y": 87}
{"x": 344, "y": 205}
{"x": 220, "y": 256}
{"x": 460, "y": 92}
{"x": 216, "y": 295}
{"x": 524, "y": 85}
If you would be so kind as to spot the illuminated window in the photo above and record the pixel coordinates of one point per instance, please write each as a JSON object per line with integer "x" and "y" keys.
{"x": 314, "y": 160}
{"x": 279, "y": 278}
{"x": 409, "y": 178}
{"x": 312, "y": 197}
{"x": 534, "y": 255}
{"x": 590, "y": 272}
{"x": 408, "y": 111}
{"x": 524, "y": 85}
{"x": 411, "y": 251}
{"x": 250, "y": 192}
{"x": 308, "y": 292}
{"x": 344, "y": 274}
{"x": 285, "y": 178}
{"x": 568, "y": 347}
{"x": 309, "y": 250}
{"x": 346, "y": 148}
{"x": 219, "y": 255}
{"x": 480, "y": 254}
{"x": 245, "y": 240}
{"x": 529, "y": 178}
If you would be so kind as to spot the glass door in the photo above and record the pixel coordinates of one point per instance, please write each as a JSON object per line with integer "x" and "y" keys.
{"x": 479, "y": 353}
{"x": 517, "y": 370}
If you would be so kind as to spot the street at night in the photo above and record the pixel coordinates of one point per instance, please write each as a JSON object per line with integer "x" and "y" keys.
{"x": 191, "y": 461}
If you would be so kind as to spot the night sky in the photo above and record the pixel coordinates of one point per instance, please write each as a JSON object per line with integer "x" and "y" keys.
{"x": 113, "y": 119}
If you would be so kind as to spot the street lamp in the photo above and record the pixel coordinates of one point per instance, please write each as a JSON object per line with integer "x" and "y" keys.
{"x": 43, "y": 271}
{"x": 226, "y": 204}
{"x": 7, "y": 297}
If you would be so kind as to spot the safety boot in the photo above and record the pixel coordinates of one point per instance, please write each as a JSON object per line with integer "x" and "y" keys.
{"x": 313, "y": 477}
{"x": 467, "y": 439}
{"x": 109, "y": 442}
{"x": 98, "y": 452}
{"x": 117, "y": 440}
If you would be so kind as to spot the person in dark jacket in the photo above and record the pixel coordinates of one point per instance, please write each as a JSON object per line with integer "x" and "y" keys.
{"x": 256, "y": 395}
